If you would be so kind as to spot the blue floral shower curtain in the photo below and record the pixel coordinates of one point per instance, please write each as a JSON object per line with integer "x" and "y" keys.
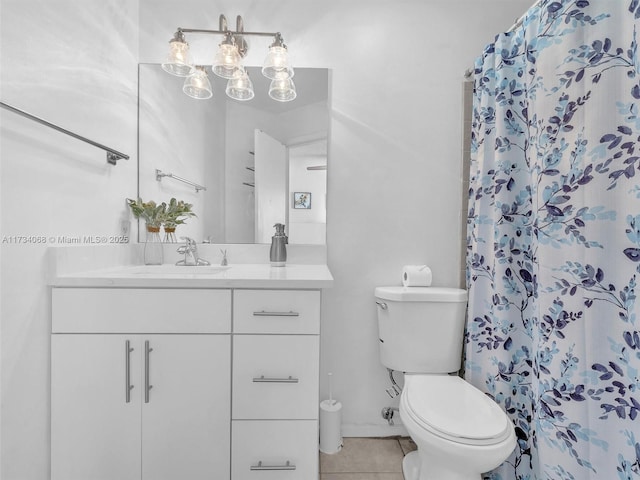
{"x": 553, "y": 255}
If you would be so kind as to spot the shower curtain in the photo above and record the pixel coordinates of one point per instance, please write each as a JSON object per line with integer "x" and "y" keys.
{"x": 553, "y": 239}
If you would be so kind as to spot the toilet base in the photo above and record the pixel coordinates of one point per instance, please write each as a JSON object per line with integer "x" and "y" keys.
{"x": 411, "y": 466}
{"x": 411, "y": 470}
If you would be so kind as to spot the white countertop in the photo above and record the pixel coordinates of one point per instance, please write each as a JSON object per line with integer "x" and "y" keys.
{"x": 170, "y": 276}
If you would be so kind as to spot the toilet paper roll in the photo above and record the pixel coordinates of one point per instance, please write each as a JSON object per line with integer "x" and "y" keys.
{"x": 416, "y": 276}
{"x": 330, "y": 421}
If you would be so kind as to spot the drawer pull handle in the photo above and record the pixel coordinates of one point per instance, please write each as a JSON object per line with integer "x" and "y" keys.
{"x": 127, "y": 371}
{"x": 275, "y": 314}
{"x": 147, "y": 384}
{"x": 286, "y": 466}
{"x": 263, "y": 379}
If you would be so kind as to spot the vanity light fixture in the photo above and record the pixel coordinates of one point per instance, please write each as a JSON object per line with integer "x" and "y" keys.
{"x": 282, "y": 89}
{"x": 276, "y": 65}
{"x": 179, "y": 61}
{"x": 227, "y": 61}
{"x": 240, "y": 86}
{"x": 198, "y": 85}
{"x": 228, "y": 64}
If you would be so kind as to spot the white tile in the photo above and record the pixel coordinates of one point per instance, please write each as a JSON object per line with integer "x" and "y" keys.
{"x": 364, "y": 455}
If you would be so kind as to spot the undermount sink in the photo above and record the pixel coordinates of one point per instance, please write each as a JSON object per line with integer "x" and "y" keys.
{"x": 170, "y": 269}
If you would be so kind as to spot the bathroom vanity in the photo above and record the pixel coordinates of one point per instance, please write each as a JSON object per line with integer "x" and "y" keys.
{"x": 163, "y": 374}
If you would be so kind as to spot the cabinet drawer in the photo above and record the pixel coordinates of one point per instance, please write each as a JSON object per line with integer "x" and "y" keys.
{"x": 261, "y": 450}
{"x": 262, "y": 367}
{"x": 276, "y": 311}
{"x": 135, "y": 310}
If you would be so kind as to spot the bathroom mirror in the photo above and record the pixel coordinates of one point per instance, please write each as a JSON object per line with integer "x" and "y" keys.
{"x": 240, "y": 163}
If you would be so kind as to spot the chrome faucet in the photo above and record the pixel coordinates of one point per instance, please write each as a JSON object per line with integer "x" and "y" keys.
{"x": 190, "y": 251}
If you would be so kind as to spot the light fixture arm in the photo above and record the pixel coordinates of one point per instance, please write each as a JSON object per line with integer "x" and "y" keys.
{"x": 278, "y": 41}
{"x": 224, "y": 32}
{"x": 241, "y": 43}
{"x": 178, "y": 36}
{"x": 238, "y": 34}
{"x": 222, "y": 23}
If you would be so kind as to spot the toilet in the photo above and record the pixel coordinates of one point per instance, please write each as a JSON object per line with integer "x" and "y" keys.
{"x": 460, "y": 432}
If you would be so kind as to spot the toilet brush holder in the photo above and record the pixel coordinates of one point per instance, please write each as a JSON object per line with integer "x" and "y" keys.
{"x": 330, "y": 423}
{"x": 330, "y": 430}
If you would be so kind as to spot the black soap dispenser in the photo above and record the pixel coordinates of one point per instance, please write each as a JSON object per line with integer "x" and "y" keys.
{"x": 278, "y": 253}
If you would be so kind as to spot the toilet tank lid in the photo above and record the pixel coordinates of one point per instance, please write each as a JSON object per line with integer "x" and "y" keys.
{"x": 421, "y": 294}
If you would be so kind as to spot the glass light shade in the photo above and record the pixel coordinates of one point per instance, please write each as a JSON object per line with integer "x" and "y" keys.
{"x": 240, "y": 86}
{"x": 198, "y": 85}
{"x": 282, "y": 90}
{"x": 276, "y": 65}
{"x": 179, "y": 62}
{"x": 227, "y": 61}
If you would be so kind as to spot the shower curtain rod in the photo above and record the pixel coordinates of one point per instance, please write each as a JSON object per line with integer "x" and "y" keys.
{"x": 112, "y": 155}
{"x": 521, "y": 19}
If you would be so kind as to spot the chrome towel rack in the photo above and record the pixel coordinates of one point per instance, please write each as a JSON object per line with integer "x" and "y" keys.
{"x": 160, "y": 174}
{"x": 112, "y": 155}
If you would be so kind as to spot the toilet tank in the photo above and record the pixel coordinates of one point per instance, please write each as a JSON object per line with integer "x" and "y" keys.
{"x": 421, "y": 329}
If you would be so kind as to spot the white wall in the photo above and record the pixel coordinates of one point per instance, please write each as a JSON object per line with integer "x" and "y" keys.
{"x": 74, "y": 64}
{"x": 393, "y": 180}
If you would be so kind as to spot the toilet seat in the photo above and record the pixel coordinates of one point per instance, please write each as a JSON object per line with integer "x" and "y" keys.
{"x": 455, "y": 410}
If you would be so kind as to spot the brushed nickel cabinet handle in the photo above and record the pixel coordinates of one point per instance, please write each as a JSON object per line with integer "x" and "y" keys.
{"x": 286, "y": 466}
{"x": 147, "y": 385}
{"x": 263, "y": 313}
{"x": 263, "y": 379}
{"x": 127, "y": 371}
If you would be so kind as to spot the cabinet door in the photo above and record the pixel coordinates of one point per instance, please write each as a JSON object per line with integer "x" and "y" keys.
{"x": 186, "y": 417}
{"x": 95, "y": 428}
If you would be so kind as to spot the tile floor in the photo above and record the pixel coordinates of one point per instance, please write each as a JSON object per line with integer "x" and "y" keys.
{"x": 367, "y": 459}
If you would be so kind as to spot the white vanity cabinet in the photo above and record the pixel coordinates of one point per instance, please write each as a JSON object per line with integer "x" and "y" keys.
{"x": 186, "y": 376}
{"x": 275, "y": 384}
{"x": 140, "y": 384}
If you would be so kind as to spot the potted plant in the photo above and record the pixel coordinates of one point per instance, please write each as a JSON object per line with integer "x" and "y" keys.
{"x": 150, "y": 212}
{"x": 175, "y": 213}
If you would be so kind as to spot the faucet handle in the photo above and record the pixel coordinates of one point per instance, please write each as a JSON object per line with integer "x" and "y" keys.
{"x": 189, "y": 241}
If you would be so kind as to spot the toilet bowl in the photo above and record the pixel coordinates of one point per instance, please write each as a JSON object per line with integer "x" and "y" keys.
{"x": 460, "y": 432}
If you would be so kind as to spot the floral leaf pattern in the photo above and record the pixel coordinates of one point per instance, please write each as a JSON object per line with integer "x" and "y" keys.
{"x": 553, "y": 239}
